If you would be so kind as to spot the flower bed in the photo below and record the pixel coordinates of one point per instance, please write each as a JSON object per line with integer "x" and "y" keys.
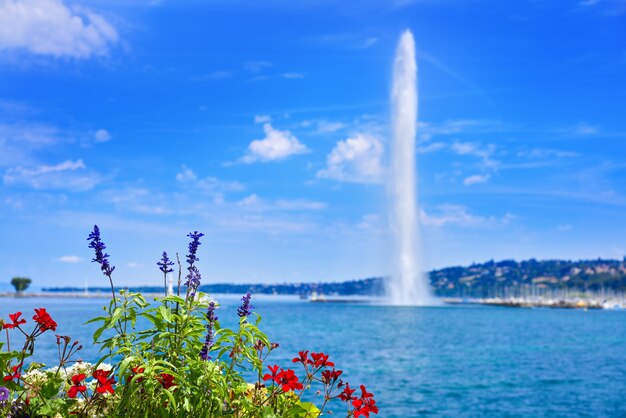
{"x": 182, "y": 365}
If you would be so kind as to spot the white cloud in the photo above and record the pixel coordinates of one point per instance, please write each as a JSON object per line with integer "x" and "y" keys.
{"x": 215, "y": 75}
{"x": 427, "y": 130}
{"x": 432, "y": 147}
{"x": 541, "y": 153}
{"x": 250, "y": 201}
{"x": 347, "y": 40}
{"x": 215, "y": 185}
{"x": 324, "y": 126}
{"x": 460, "y": 216}
{"x": 257, "y": 66}
{"x": 356, "y": 159}
{"x": 370, "y": 221}
{"x": 463, "y": 148}
{"x": 262, "y": 119}
{"x": 19, "y": 141}
{"x": 277, "y": 145}
{"x": 483, "y": 152}
{"x": 476, "y": 179}
{"x": 49, "y": 27}
{"x": 254, "y": 203}
{"x": 584, "y": 129}
{"x": 102, "y": 135}
{"x": 369, "y": 42}
{"x": 186, "y": 174}
{"x": 207, "y": 184}
{"x": 70, "y": 259}
{"x": 298, "y": 204}
{"x": 60, "y": 176}
{"x": 293, "y": 75}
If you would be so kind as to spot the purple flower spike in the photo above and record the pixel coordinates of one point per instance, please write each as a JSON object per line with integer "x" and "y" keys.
{"x": 165, "y": 263}
{"x": 193, "y": 277}
{"x": 193, "y": 247}
{"x": 246, "y": 308}
{"x": 99, "y": 247}
{"x": 193, "y": 281}
{"x": 208, "y": 342}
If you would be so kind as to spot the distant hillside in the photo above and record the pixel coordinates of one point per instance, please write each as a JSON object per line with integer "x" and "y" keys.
{"x": 479, "y": 280}
{"x": 492, "y": 277}
{"x": 363, "y": 287}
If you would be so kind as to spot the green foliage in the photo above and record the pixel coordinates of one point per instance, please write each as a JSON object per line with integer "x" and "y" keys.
{"x": 167, "y": 358}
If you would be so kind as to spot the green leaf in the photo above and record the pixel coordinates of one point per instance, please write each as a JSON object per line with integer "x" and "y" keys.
{"x": 165, "y": 313}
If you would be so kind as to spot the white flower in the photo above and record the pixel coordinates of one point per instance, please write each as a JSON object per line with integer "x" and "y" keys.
{"x": 104, "y": 367}
{"x": 35, "y": 377}
{"x": 81, "y": 367}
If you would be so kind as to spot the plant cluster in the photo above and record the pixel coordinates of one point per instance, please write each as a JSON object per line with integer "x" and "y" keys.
{"x": 169, "y": 358}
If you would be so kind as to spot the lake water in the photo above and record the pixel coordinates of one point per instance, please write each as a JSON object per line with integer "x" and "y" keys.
{"x": 448, "y": 361}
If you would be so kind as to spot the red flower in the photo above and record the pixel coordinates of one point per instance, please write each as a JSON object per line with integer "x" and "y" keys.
{"x": 16, "y": 373}
{"x": 77, "y": 387}
{"x": 44, "y": 320}
{"x": 274, "y": 375}
{"x": 346, "y": 395}
{"x": 364, "y": 406}
{"x": 288, "y": 380}
{"x": 328, "y": 375}
{"x": 365, "y": 393}
{"x": 321, "y": 360}
{"x": 15, "y": 317}
{"x": 166, "y": 380}
{"x": 104, "y": 382}
{"x": 304, "y": 358}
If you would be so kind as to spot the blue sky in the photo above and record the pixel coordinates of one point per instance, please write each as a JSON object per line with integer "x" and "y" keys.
{"x": 265, "y": 125}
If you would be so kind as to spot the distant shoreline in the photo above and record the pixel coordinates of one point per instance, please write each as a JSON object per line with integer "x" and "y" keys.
{"x": 90, "y": 295}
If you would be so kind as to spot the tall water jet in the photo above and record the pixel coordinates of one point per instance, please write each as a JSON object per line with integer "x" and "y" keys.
{"x": 409, "y": 284}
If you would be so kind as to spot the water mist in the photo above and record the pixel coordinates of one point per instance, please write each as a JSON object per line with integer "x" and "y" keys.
{"x": 409, "y": 283}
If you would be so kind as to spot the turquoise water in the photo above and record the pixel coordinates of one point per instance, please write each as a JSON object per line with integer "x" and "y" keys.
{"x": 449, "y": 361}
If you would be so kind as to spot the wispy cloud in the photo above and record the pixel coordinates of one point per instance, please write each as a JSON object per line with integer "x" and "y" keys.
{"x": 437, "y": 63}
{"x": 428, "y": 130}
{"x": 292, "y": 75}
{"x": 583, "y": 129}
{"x": 484, "y": 152}
{"x": 262, "y": 119}
{"x": 277, "y": 145}
{"x": 323, "y": 126}
{"x": 254, "y": 203}
{"x": 431, "y": 147}
{"x": 457, "y": 215}
{"x": 186, "y": 174}
{"x": 210, "y": 184}
{"x": 71, "y": 259}
{"x": 356, "y": 159}
{"x": 62, "y": 176}
{"x": 255, "y": 67}
{"x": 476, "y": 179}
{"x": 18, "y": 141}
{"x": 608, "y": 8}
{"x": 543, "y": 153}
{"x": 214, "y": 75}
{"x": 102, "y": 135}
{"x": 344, "y": 40}
{"x": 49, "y": 27}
